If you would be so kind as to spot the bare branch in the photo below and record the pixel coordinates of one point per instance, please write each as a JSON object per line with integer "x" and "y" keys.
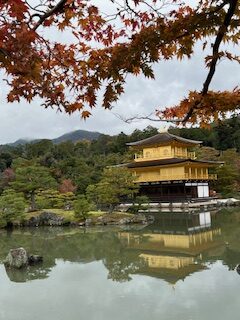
{"x": 49, "y": 13}
{"x": 149, "y": 117}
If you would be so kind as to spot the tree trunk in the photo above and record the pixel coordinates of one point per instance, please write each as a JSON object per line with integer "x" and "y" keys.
{"x": 33, "y": 203}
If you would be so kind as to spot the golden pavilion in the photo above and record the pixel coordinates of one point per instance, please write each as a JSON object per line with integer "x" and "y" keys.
{"x": 166, "y": 168}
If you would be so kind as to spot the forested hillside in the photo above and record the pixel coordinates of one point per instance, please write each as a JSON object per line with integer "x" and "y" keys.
{"x": 74, "y": 166}
{"x": 222, "y": 136}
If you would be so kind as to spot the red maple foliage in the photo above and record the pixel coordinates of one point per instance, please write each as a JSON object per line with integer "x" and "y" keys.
{"x": 8, "y": 176}
{"x": 97, "y": 50}
{"x": 67, "y": 186}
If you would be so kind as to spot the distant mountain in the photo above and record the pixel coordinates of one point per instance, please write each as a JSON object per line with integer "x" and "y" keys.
{"x": 73, "y": 136}
{"x": 77, "y": 135}
{"x": 20, "y": 142}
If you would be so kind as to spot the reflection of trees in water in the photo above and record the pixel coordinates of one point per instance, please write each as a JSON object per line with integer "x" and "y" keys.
{"x": 28, "y": 274}
{"x": 74, "y": 245}
{"x": 86, "y": 245}
{"x": 229, "y": 221}
{"x": 122, "y": 263}
{"x": 231, "y": 258}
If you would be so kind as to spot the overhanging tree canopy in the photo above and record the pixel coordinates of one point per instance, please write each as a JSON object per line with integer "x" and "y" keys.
{"x": 102, "y": 48}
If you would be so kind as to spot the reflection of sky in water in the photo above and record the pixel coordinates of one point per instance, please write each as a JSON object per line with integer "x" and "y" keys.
{"x": 82, "y": 291}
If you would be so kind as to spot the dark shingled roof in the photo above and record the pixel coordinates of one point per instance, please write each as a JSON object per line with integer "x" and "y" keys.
{"x": 162, "y": 162}
{"x": 160, "y": 138}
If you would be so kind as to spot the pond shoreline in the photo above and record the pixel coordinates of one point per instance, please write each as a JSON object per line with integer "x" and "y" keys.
{"x": 59, "y": 217}
{"x": 52, "y": 219}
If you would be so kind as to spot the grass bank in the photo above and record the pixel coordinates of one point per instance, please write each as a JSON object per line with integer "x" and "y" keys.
{"x": 93, "y": 217}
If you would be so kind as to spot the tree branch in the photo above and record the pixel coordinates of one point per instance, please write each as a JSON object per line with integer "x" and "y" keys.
{"x": 149, "y": 117}
{"x": 49, "y": 13}
{"x": 221, "y": 32}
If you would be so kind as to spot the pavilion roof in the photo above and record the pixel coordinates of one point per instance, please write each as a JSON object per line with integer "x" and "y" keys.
{"x": 170, "y": 161}
{"x": 162, "y": 138}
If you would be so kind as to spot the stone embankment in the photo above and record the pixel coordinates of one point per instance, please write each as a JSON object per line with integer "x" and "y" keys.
{"x": 118, "y": 219}
{"x": 52, "y": 219}
{"x": 45, "y": 219}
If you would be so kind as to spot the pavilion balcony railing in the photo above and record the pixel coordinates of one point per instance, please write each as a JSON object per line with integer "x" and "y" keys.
{"x": 157, "y": 177}
{"x": 156, "y": 156}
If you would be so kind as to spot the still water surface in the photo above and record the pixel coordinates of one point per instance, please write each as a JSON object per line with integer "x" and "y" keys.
{"x": 181, "y": 267}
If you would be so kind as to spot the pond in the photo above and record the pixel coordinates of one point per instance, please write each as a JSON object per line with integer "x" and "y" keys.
{"x": 181, "y": 267}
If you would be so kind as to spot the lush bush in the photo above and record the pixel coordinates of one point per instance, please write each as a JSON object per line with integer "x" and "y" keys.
{"x": 30, "y": 178}
{"x": 12, "y": 205}
{"x": 82, "y": 207}
{"x": 228, "y": 183}
{"x": 54, "y": 199}
{"x": 140, "y": 203}
{"x": 116, "y": 183}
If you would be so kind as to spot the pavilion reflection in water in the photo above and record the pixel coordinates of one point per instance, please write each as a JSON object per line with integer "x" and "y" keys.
{"x": 175, "y": 248}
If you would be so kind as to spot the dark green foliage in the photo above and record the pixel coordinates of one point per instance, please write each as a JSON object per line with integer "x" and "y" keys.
{"x": 12, "y": 207}
{"x": 31, "y": 178}
{"x": 82, "y": 206}
{"x": 5, "y": 160}
{"x": 115, "y": 184}
{"x": 63, "y": 150}
{"x": 37, "y": 149}
{"x": 139, "y": 203}
{"x": 28, "y": 179}
{"x": 221, "y": 136}
{"x": 77, "y": 170}
{"x": 54, "y": 199}
{"x": 146, "y": 133}
{"x": 229, "y": 174}
{"x": 228, "y": 134}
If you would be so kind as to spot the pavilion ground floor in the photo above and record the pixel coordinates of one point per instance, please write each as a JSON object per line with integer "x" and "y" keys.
{"x": 175, "y": 191}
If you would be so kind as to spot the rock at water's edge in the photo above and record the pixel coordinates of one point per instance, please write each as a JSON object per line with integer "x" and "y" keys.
{"x": 139, "y": 218}
{"x": 16, "y": 258}
{"x": 45, "y": 219}
{"x": 124, "y": 221}
{"x": 34, "y": 259}
{"x": 238, "y": 269}
{"x": 88, "y": 222}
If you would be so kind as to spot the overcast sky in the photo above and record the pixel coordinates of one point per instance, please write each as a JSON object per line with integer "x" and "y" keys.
{"x": 173, "y": 81}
